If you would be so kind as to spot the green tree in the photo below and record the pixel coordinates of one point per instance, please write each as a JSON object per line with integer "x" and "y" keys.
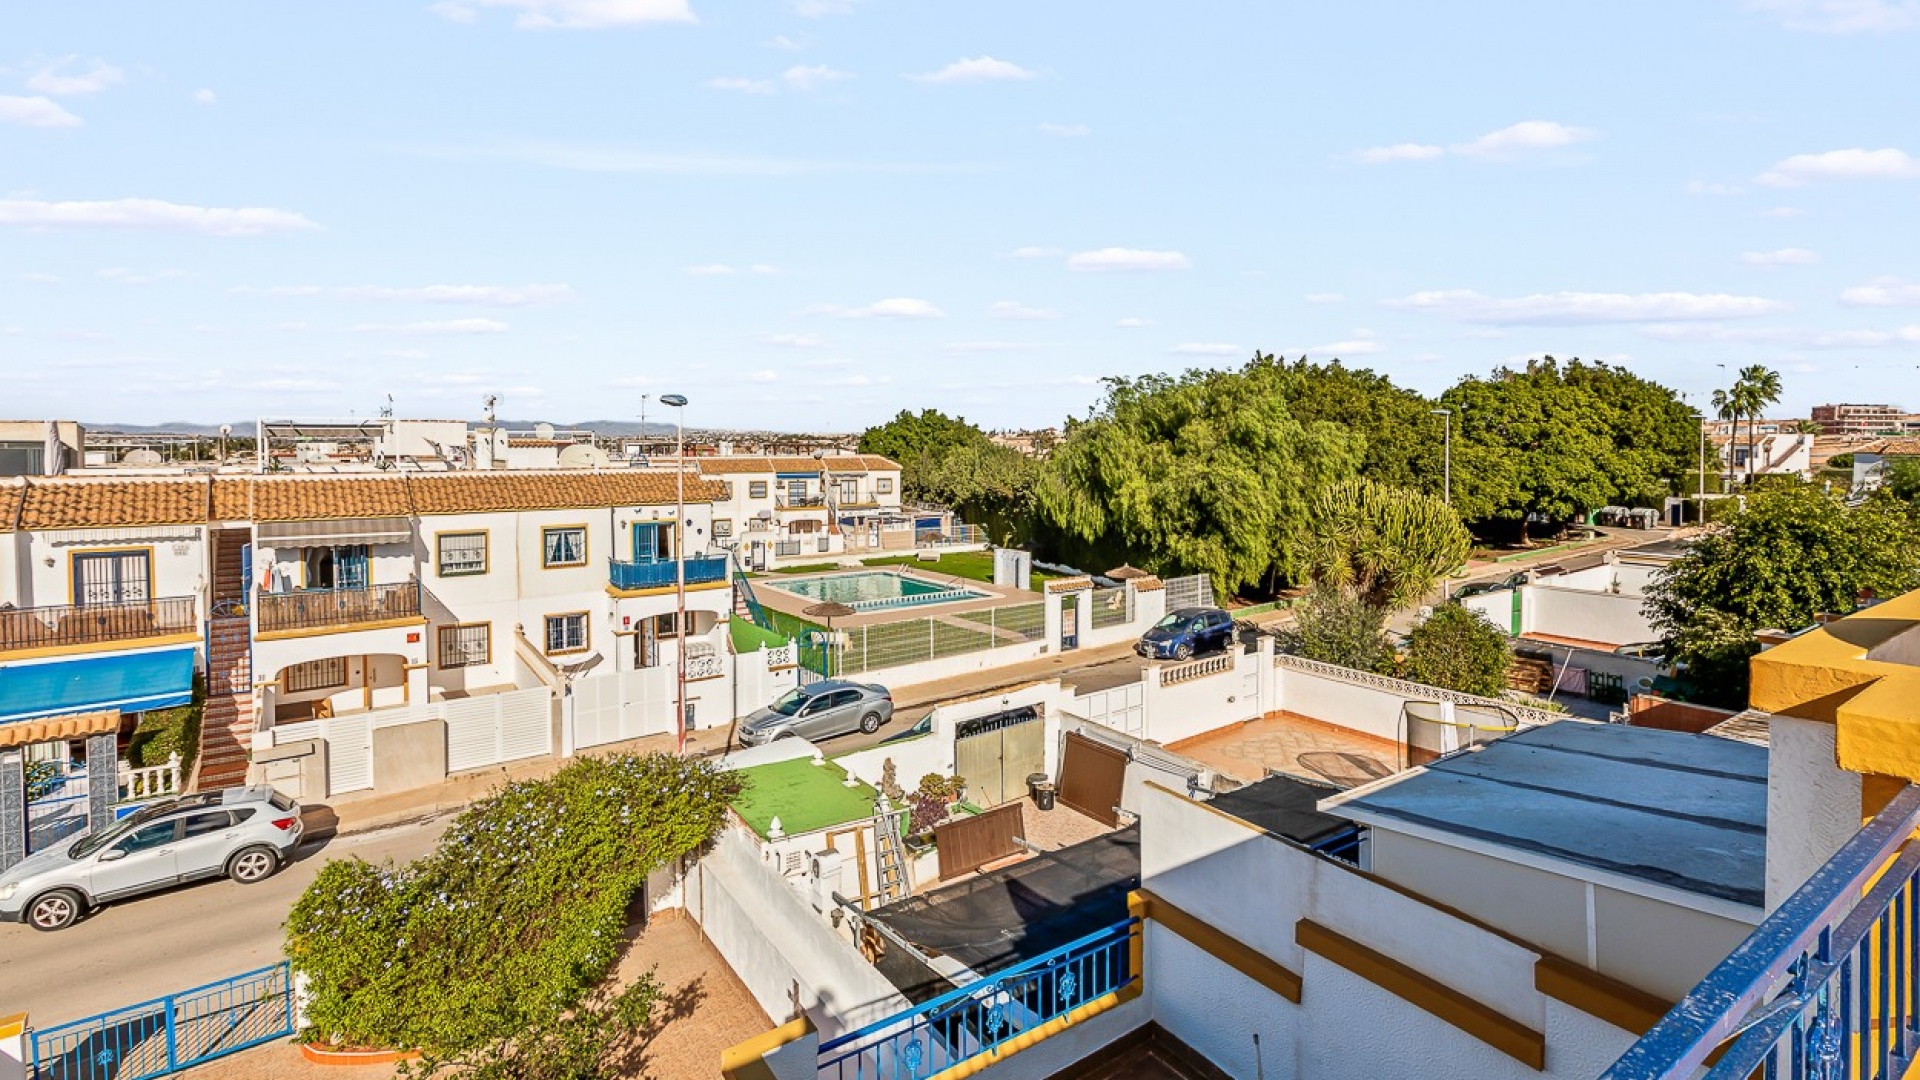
{"x": 1209, "y": 471}
{"x": 1792, "y": 553}
{"x": 1902, "y": 480}
{"x": 1403, "y": 437}
{"x": 1456, "y": 649}
{"x": 1385, "y": 545}
{"x": 918, "y": 441}
{"x": 1334, "y": 626}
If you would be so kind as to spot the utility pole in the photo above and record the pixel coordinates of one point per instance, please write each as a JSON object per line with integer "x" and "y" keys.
{"x": 678, "y": 402}
{"x": 1446, "y": 420}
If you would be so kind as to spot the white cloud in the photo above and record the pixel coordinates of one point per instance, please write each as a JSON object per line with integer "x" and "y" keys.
{"x": 572, "y": 14}
{"x": 1783, "y": 212}
{"x": 204, "y": 96}
{"x": 1206, "y": 348}
{"x": 794, "y": 341}
{"x": 594, "y": 158}
{"x": 1784, "y": 336}
{"x": 820, "y": 9}
{"x": 52, "y": 78}
{"x": 898, "y": 307}
{"x": 442, "y": 326}
{"x": 1886, "y": 163}
{"x": 709, "y": 270}
{"x": 1124, "y": 259}
{"x": 741, "y": 86}
{"x": 1361, "y": 343}
{"x": 1702, "y": 187}
{"x": 128, "y": 277}
{"x": 37, "y": 112}
{"x": 1842, "y": 16}
{"x": 485, "y": 295}
{"x": 152, "y": 214}
{"x": 1782, "y": 257}
{"x": 964, "y": 348}
{"x": 1380, "y": 155}
{"x": 1573, "y": 308}
{"x": 1883, "y": 292}
{"x": 1034, "y": 253}
{"x": 1526, "y": 135}
{"x": 812, "y": 76}
{"x": 1066, "y": 131}
{"x": 1133, "y": 323}
{"x": 1325, "y": 298}
{"x": 977, "y": 69}
{"x": 1013, "y": 309}
{"x": 40, "y": 278}
{"x": 785, "y": 43}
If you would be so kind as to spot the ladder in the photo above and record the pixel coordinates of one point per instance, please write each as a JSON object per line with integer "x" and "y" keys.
{"x": 890, "y": 851}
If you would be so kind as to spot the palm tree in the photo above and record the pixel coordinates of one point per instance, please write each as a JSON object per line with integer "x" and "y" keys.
{"x": 1757, "y": 387}
{"x": 1726, "y": 405}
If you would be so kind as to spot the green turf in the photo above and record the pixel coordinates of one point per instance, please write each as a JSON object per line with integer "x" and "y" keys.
{"x": 971, "y": 565}
{"x": 804, "y": 796}
{"x": 750, "y": 638}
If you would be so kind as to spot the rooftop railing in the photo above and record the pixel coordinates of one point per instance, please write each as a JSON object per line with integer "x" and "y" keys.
{"x": 655, "y": 575}
{"x": 314, "y": 609}
{"x": 91, "y": 624}
{"x": 1825, "y": 987}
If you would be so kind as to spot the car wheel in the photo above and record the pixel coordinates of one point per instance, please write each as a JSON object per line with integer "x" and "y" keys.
{"x": 252, "y": 864}
{"x": 788, "y": 734}
{"x": 56, "y": 910}
{"x": 1183, "y": 651}
{"x": 870, "y": 723}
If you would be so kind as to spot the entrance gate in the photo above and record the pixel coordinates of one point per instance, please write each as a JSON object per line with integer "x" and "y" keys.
{"x": 995, "y": 754}
{"x": 162, "y": 1036}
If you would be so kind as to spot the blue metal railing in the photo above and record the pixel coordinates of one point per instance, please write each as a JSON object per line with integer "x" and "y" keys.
{"x": 1824, "y": 988}
{"x": 983, "y": 1016}
{"x": 655, "y": 575}
{"x": 167, "y": 1034}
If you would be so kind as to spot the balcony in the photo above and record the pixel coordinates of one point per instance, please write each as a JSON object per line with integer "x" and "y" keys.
{"x": 322, "y": 609}
{"x": 800, "y": 502}
{"x": 656, "y": 575}
{"x": 60, "y": 625}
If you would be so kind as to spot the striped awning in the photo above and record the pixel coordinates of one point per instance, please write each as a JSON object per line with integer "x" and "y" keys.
{"x": 341, "y": 531}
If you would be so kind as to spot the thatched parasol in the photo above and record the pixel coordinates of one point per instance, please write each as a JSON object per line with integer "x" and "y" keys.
{"x": 828, "y": 611}
{"x": 1125, "y": 572}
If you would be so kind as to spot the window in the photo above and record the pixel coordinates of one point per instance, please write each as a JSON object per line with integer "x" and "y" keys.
{"x": 565, "y": 545}
{"x": 315, "y": 675}
{"x": 662, "y": 626}
{"x": 757, "y": 489}
{"x": 111, "y": 577}
{"x": 202, "y": 824}
{"x": 849, "y": 491}
{"x": 567, "y": 633}
{"x": 652, "y": 541}
{"x": 461, "y": 554}
{"x": 147, "y": 839}
{"x": 883, "y": 485}
{"x": 722, "y": 528}
{"x": 342, "y": 567}
{"x": 466, "y": 645}
{"x": 797, "y": 491}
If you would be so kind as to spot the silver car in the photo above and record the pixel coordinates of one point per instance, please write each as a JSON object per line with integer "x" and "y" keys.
{"x": 817, "y": 710}
{"x": 245, "y": 834}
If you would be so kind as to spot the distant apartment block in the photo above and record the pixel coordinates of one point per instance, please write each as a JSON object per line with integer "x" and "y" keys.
{"x": 1859, "y": 419}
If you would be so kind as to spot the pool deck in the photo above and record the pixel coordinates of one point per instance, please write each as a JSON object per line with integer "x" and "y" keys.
{"x": 769, "y": 592}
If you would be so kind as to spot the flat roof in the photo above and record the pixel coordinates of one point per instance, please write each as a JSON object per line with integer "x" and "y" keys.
{"x": 804, "y": 796}
{"x": 1686, "y": 812}
{"x": 1287, "y": 806}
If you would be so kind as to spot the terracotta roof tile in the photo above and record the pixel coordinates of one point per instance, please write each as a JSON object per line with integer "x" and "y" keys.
{"x": 12, "y": 491}
{"x": 325, "y": 498}
{"x": 80, "y": 503}
{"x": 860, "y": 463}
{"x": 456, "y": 493}
{"x": 729, "y": 466}
{"x": 232, "y": 499}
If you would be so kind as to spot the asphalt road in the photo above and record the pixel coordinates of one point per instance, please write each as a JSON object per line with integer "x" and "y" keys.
{"x": 166, "y": 942}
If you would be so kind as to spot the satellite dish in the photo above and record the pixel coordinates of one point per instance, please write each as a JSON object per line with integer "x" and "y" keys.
{"x": 583, "y": 456}
{"x": 141, "y": 457}
{"x": 543, "y": 431}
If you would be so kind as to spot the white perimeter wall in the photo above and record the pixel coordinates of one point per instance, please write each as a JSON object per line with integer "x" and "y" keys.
{"x": 1614, "y": 618}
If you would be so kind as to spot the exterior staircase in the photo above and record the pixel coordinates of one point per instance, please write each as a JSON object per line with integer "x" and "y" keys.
{"x": 226, "y": 724}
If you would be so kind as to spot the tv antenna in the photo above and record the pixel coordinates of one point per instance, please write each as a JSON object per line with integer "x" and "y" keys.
{"x": 492, "y": 400}
{"x": 386, "y": 411}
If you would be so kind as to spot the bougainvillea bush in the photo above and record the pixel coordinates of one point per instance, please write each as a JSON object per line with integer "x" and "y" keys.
{"x": 496, "y": 942}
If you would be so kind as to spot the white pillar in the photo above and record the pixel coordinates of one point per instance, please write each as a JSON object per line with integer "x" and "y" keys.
{"x": 1054, "y": 603}
{"x": 13, "y": 1047}
{"x": 1813, "y": 805}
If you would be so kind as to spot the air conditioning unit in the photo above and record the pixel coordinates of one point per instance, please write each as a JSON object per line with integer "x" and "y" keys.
{"x": 823, "y": 878}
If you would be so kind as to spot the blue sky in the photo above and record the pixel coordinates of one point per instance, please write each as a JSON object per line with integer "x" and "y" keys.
{"x": 811, "y": 214}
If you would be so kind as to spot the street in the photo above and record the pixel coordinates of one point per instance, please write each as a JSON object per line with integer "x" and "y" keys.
{"x": 171, "y": 941}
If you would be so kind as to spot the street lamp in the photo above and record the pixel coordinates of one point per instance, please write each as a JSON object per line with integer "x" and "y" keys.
{"x": 1446, "y": 416}
{"x": 677, "y": 402}
{"x": 1701, "y": 498}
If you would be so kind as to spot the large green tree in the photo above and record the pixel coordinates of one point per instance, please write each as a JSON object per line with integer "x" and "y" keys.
{"x": 946, "y": 460}
{"x": 1386, "y": 545}
{"x": 918, "y": 441}
{"x": 1793, "y": 552}
{"x": 1458, "y": 650}
{"x": 1209, "y": 471}
{"x": 1403, "y": 448}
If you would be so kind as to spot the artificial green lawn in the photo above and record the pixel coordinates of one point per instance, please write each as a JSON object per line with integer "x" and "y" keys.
{"x": 804, "y": 796}
{"x": 750, "y": 638}
{"x": 972, "y": 565}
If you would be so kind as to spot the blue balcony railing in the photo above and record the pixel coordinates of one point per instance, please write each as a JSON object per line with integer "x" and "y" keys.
{"x": 980, "y": 1017}
{"x": 655, "y": 575}
{"x": 1827, "y": 987}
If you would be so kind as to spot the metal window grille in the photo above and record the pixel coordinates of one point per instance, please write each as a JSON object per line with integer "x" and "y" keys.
{"x": 316, "y": 675}
{"x": 463, "y": 553}
{"x": 722, "y": 528}
{"x": 757, "y": 489}
{"x": 566, "y": 633}
{"x": 116, "y": 577}
{"x": 466, "y": 646}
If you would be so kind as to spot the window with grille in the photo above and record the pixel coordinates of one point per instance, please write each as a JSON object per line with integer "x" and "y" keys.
{"x": 883, "y": 485}
{"x": 111, "y": 577}
{"x": 757, "y": 489}
{"x": 722, "y": 528}
{"x": 567, "y": 633}
{"x": 466, "y": 645}
{"x": 564, "y": 546}
{"x": 315, "y": 675}
{"x": 462, "y": 553}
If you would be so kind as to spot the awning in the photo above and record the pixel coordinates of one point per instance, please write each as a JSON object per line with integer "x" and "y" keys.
{"x": 279, "y": 534}
{"x": 130, "y": 682}
{"x": 59, "y": 728}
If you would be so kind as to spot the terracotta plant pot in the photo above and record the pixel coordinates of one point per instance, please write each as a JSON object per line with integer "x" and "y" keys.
{"x": 324, "y": 1054}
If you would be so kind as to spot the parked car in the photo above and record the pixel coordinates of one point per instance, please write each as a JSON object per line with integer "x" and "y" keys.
{"x": 1186, "y": 633}
{"x": 1478, "y": 588}
{"x": 819, "y": 710}
{"x": 246, "y": 834}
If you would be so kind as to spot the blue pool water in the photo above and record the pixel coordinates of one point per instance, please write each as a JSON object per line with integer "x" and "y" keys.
{"x": 875, "y": 590}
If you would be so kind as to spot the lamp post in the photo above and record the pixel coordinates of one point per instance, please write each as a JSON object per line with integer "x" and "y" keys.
{"x": 678, "y": 402}
{"x": 1446, "y": 419}
{"x": 1701, "y": 498}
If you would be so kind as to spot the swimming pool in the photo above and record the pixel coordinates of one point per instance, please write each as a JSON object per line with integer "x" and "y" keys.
{"x": 875, "y": 590}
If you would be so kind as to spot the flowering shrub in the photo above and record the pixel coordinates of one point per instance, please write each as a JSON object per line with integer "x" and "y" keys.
{"x": 491, "y": 946}
{"x": 932, "y": 801}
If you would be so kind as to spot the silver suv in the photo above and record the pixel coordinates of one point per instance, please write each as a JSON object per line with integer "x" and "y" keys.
{"x": 246, "y": 834}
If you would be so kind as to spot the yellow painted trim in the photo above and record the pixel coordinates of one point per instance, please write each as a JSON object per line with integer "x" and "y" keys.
{"x": 746, "y": 1060}
{"x": 1496, "y": 1029}
{"x": 1628, "y": 1008}
{"x": 440, "y": 660}
{"x": 346, "y": 628}
{"x": 981, "y": 1062}
{"x": 99, "y": 646}
{"x": 1827, "y": 675}
{"x": 12, "y": 1026}
{"x": 586, "y": 643}
{"x": 586, "y": 547}
{"x": 73, "y": 590}
{"x": 486, "y": 553}
{"x": 414, "y": 667}
{"x": 1218, "y": 944}
{"x": 666, "y": 590}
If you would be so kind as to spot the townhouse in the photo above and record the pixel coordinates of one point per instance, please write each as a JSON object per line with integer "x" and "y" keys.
{"x": 775, "y": 509}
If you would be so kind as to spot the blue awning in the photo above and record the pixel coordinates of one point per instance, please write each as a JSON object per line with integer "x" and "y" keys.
{"x": 130, "y": 682}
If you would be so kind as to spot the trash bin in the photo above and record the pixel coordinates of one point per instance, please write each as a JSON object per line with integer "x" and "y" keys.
{"x": 1041, "y": 789}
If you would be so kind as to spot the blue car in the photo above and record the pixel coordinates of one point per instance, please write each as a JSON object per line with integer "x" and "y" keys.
{"x": 1186, "y": 633}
